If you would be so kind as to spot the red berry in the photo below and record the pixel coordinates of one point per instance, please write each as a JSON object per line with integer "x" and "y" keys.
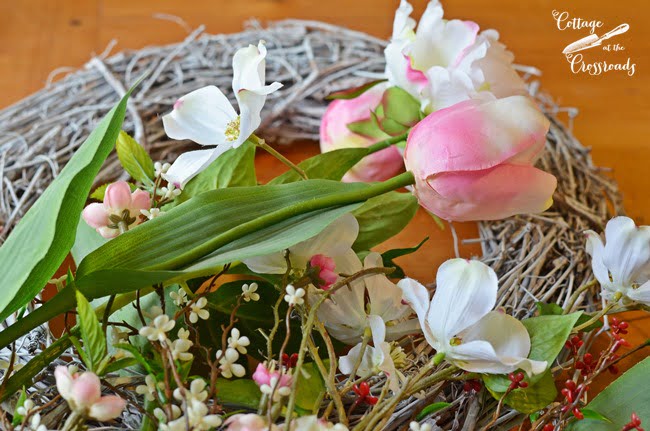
{"x": 548, "y": 427}
{"x": 578, "y": 414}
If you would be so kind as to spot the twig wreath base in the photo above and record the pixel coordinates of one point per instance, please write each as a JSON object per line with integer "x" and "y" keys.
{"x": 537, "y": 257}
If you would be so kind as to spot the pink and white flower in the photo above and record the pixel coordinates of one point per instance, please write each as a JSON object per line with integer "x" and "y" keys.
{"x": 335, "y": 134}
{"x": 206, "y": 117}
{"x": 444, "y": 62}
{"x": 474, "y": 160}
{"x": 84, "y": 396}
{"x": 119, "y": 206}
{"x": 458, "y": 321}
{"x": 248, "y": 422}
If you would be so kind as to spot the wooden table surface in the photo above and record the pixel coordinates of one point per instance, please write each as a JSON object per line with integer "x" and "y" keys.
{"x": 39, "y": 36}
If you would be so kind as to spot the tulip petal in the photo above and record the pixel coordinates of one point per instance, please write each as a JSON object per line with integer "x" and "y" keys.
{"x": 201, "y": 116}
{"x": 627, "y": 251}
{"x": 477, "y": 135}
{"x": 107, "y": 408}
{"x": 596, "y": 249}
{"x": 492, "y": 194}
{"x": 190, "y": 164}
{"x": 466, "y": 290}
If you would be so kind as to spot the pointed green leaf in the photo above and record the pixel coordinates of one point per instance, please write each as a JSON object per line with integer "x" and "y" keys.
{"x": 383, "y": 217}
{"x": 535, "y": 397}
{"x": 368, "y": 128}
{"x": 134, "y": 158}
{"x": 91, "y": 332}
{"x": 331, "y": 165}
{"x": 42, "y": 239}
{"x": 18, "y": 418}
{"x": 400, "y": 107}
{"x": 389, "y": 256}
{"x": 234, "y": 168}
{"x": 310, "y": 388}
{"x": 431, "y": 409}
{"x": 354, "y": 92}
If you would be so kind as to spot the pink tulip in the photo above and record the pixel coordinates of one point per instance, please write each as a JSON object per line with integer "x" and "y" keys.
{"x": 334, "y": 134}
{"x": 474, "y": 160}
{"x": 117, "y": 199}
{"x": 83, "y": 394}
{"x": 324, "y": 265}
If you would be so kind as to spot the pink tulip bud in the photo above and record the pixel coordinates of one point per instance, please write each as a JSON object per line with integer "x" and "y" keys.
{"x": 474, "y": 160}
{"x": 325, "y": 274}
{"x": 83, "y": 394}
{"x": 334, "y": 134}
{"x": 117, "y": 199}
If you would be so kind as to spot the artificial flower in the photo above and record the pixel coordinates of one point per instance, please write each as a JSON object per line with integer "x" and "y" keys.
{"x": 119, "y": 211}
{"x": 249, "y": 292}
{"x": 158, "y": 328}
{"x": 376, "y": 358}
{"x": 335, "y": 134}
{"x": 346, "y": 314}
{"x": 228, "y": 366}
{"x": 314, "y": 423}
{"x": 248, "y": 422}
{"x": 335, "y": 242}
{"x": 198, "y": 311}
{"x": 206, "y": 117}
{"x": 84, "y": 396}
{"x": 237, "y": 342}
{"x": 459, "y": 323}
{"x": 622, "y": 264}
{"x": 324, "y": 274}
{"x": 444, "y": 62}
{"x": 474, "y": 160}
{"x": 294, "y": 296}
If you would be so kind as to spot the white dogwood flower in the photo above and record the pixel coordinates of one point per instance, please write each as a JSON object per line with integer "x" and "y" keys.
{"x": 622, "y": 264}
{"x": 346, "y": 313}
{"x": 376, "y": 358}
{"x": 444, "y": 62}
{"x": 335, "y": 242}
{"x": 459, "y": 322}
{"x": 206, "y": 117}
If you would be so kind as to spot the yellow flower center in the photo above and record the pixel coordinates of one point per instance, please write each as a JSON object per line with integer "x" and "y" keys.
{"x": 232, "y": 130}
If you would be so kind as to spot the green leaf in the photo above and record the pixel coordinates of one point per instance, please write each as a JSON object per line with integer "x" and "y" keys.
{"x": 42, "y": 239}
{"x": 535, "y": 397}
{"x": 549, "y": 309}
{"x": 134, "y": 158}
{"x": 547, "y": 337}
{"x": 626, "y": 395}
{"x": 120, "y": 364}
{"x": 400, "y": 107}
{"x": 310, "y": 388}
{"x": 590, "y": 414}
{"x": 234, "y": 168}
{"x": 383, "y": 217}
{"x": 91, "y": 332}
{"x": 86, "y": 241}
{"x": 331, "y": 165}
{"x": 238, "y": 393}
{"x": 389, "y": 256}
{"x": 354, "y": 92}
{"x": 368, "y": 128}
{"x": 146, "y": 364}
{"x": 18, "y": 418}
{"x": 431, "y": 409}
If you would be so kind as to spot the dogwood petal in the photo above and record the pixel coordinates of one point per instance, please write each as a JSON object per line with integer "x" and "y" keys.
{"x": 347, "y": 362}
{"x": 344, "y": 315}
{"x": 509, "y": 346}
{"x": 627, "y": 251}
{"x": 417, "y": 297}
{"x": 201, "y": 116}
{"x": 641, "y": 294}
{"x": 190, "y": 164}
{"x": 385, "y": 298}
{"x": 466, "y": 290}
{"x": 403, "y": 24}
{"x": 595, "y": 249}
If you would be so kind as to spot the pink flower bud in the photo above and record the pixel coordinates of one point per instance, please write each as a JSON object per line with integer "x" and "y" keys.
{"x": 474, "y": 160}
{"x": 246, "y": 422}
{"x": 334, "y": 134}
{"x": 117, "y": 199}
{"x": 83, "y": 394}
{"x": 324, "y": 265}
{"x": 261, "y": 376}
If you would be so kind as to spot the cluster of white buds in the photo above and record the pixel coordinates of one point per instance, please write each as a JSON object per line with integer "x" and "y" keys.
{"x": 197, "y": 414}
{"x": 152, "y": 213}
{"x": 34, "y": 423}
{"x": 170, "y": 192}
{"x": 160, "y": 168}
{"x": 181, "y": 346}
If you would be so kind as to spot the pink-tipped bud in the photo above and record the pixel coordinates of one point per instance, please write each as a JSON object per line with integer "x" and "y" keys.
{"x": 324, "y": 273}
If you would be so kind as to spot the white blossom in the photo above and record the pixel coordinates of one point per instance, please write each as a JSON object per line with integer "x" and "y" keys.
{"x": 459, "y": 323}
{"x": 197, "y": 310}
{"x": 157, "y": 330}
{"x": 181, "y": 345}
{"x": 169, "y": 192}
{"x": 416, "y": 426}
{"x": 294, "y": 296}
{"x": 235, "y": 341}
{"x": 196, "y": 391}
{"x": 280, "y": 390}
{"x": 160, "y": 168}
{"x": 179, "y": 297}
{"x": 228, "y": 365}
{"x": 150, "y": 388}
{"x": 249, "y": 292}
{"x": 152, "y": 213}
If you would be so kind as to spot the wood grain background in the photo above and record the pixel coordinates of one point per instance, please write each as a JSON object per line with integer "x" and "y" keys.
{"x": 40, "y": 35}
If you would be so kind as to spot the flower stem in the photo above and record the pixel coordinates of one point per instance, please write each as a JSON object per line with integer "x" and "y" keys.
{"x": 574, "y": 297}
{"x": 272, "y": 151}
{"x": 378, "y": 146}
{"x": 600, "y": 314}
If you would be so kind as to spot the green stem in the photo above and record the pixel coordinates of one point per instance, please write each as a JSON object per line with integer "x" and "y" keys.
{"x": 75, "y": 422}
{"x": 600, "y": 314}
{"x": 574, "y": 297}
{"x": 378, "y": 146}
{"x": 272, "y": 151}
